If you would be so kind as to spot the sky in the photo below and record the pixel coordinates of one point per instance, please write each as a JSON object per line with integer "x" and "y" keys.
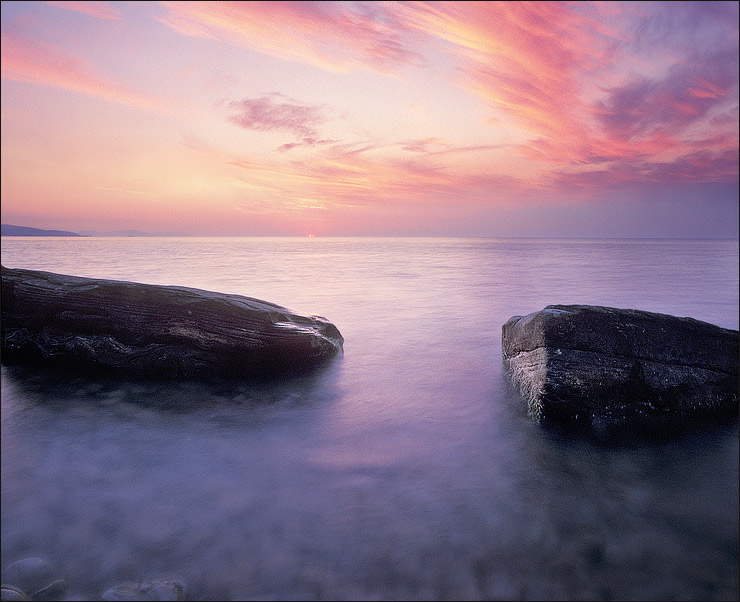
{"x": 541, "y": 119}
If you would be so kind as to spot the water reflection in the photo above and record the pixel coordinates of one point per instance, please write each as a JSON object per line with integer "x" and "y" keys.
{"x": 64, "y": 390}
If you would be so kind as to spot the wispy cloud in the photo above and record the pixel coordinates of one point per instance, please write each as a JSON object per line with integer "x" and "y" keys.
{"x": 387, "y": 107}
{"x": 422, "y": 145}
{"x": 573, "y": 79}
{"x": 305, "y": 142}
{"x": 358, "y": 175}
{"x": 697, "y": 167}
{"x": 557, "y": 71}
{"x": 27, "y": 60}
{"x": 99, "y": 10}
{"x": 522, "y": 59}
{"x": 329, "y": 35}
{"x": 685, "y": 96}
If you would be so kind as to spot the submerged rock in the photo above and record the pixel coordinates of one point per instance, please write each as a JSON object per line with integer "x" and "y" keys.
{"x": 147, "y": 590}
{"x": 151, "y": 330}
{"x": 9, "y": 593}
{"x": 601, "y": 367}
{"x": 34, "y": 578}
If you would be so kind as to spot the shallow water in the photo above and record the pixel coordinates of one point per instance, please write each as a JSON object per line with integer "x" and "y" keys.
{"x": 406, "y": 469}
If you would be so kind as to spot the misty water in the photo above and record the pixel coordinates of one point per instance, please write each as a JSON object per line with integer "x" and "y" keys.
{"x": 405, "y": 469}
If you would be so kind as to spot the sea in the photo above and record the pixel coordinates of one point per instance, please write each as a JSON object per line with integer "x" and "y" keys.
{"x": 405, "y": 469}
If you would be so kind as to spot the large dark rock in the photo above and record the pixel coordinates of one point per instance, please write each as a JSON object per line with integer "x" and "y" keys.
{"x": 602, "y": 367}
{"x": 149, "y": 330}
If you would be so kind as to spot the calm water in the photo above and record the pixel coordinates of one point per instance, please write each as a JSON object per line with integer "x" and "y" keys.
{"x": 407, "y": 469}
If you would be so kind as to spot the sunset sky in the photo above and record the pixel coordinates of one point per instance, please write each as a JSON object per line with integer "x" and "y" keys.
{"x": 603, "y": 119}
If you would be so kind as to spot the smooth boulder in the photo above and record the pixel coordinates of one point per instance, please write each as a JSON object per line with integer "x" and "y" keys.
{"x": 102, "y": 326}
{"x": 31, "y": 579}
{"x": 602, "y": 367}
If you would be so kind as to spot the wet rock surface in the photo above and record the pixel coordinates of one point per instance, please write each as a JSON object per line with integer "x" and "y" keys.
{"x": 11, "y": 593}
{"x": 604, "y": 368}
{"x": 162, "y": 590}
{"x": 33, "y": 578}
{"x": 102, "y": 326}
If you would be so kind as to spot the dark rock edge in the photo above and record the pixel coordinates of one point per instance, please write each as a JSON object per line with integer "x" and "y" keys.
{"x": 610, "y": 371}
{"x": 100, "y": 327}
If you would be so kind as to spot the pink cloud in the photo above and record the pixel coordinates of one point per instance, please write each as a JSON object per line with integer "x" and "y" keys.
{"x": 661, "y": 130}
{"x": 675, "y": 101}
{"x": 32, "y": 61}
{"x": 696, "y": 167}
{"x": 277, "y": 112}
{"x": 99, "y": 10}
{"x": 557, "y": 71}
{"x": 329, "y": 35}
{"x": 706, "y": 89}
{"x": 521, "y": 58}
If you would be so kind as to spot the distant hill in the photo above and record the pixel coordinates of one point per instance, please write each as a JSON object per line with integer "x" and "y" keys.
{"x": 10, "y": 230}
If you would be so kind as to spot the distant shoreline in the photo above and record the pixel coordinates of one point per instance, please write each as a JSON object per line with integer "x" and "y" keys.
{"x": 11, "y": 230}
